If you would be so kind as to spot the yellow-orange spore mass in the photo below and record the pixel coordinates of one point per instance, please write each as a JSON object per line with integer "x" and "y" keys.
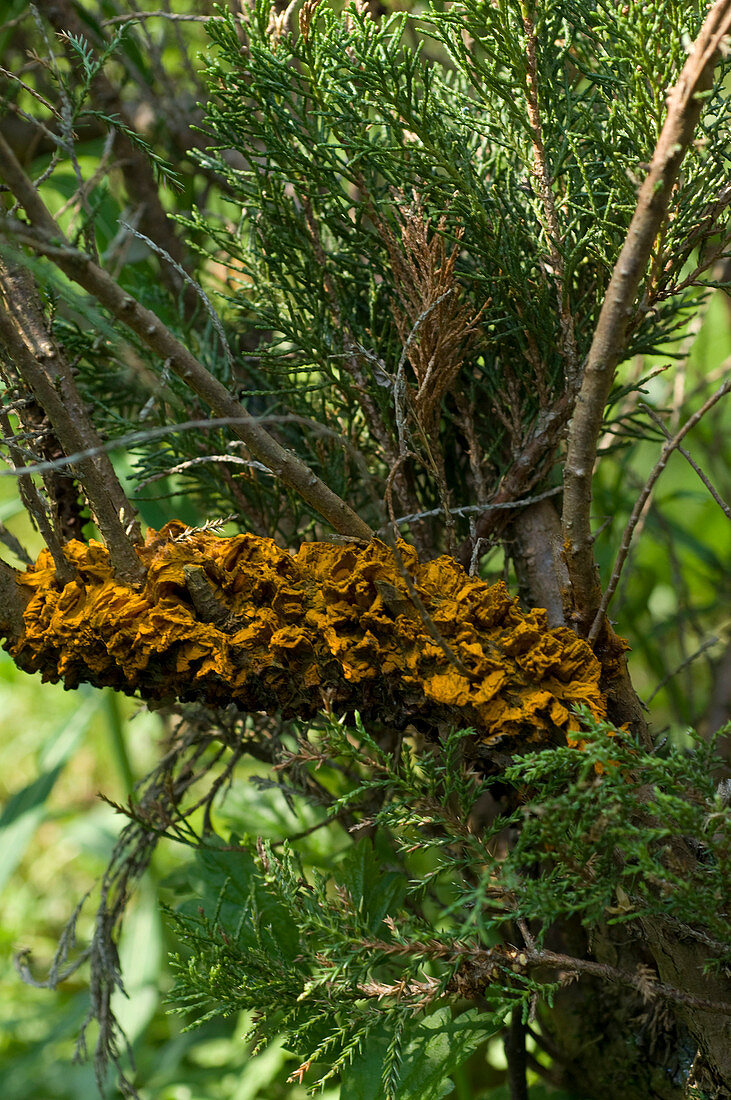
{"x": 331, "y": 625}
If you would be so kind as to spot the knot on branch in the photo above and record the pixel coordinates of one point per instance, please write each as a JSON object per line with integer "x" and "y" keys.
{"x": 328, "y": 627}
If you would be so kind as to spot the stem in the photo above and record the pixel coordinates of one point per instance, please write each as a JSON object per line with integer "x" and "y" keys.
{"x": 670, "y": 446}
{"x": 610, "y": 337}
{"x": 516, "y": 1055}
{"x": 118, "y": 741}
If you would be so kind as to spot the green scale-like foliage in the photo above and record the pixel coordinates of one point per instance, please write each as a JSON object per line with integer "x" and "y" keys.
{"x": 337, "y": 961}
{"x": 332, "y": 138}
{"x": 332, "y": 142}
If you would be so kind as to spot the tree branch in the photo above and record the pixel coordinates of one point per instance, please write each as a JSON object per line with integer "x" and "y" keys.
{"x": 670, "y": 446}
{"x": 610, "y": 338}
{"x": 725, "y": 508}
{"x": 534, "y": 540}
{"x": 522, "y": 475}
{"x": 515, "y": 1055}
{"x": 240, "y": 621}
{"x": 46, "y": 238}
{"x": 12, "y": 602}
{"x": 44, "y": 369}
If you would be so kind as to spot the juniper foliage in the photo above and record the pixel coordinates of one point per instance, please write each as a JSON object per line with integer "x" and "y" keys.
{"x": 337, "y": 958}
{"x": 384, "y": 227}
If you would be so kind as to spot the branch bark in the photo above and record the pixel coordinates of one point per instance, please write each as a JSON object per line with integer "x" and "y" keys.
{"x": 12, "y": 602}
{"x": 537, "y": 553}
{"x": 240, "y": 621}
{"x": 610, "y": 338}
{"x": 42, "y": 366}
{"x": 527, "y": 469}
{"x": 46, "y": 238}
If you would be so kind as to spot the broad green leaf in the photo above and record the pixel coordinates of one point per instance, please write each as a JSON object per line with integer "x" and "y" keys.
{"x": 375, "y": 892}
{"x": 141, "y": 957}
{"x": 229, "y": 885}
{"x": 434, "y": 1048}
{"x": 27, "y": 808}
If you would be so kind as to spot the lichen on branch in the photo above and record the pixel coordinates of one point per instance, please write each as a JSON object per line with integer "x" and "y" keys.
{"x": 239, "y": 620}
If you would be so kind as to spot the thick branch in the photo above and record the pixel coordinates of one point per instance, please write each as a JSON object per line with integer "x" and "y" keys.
{"x": 535, "y": 546}
{"x": 43, "y": 368}
{"x": 49, "y": 240}
{"x": 241, "y": 621}
{"x": 610, "y": 338}
{"x": 12, "y": 602}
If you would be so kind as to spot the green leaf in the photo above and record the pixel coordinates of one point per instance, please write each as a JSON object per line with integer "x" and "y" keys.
{"x": 26, "y": 808}
{"x": 376, "y": 893}
{"x": 229, "y": 888}
{"x": 141, "y": 956}
{"x": 434, "y": 1047}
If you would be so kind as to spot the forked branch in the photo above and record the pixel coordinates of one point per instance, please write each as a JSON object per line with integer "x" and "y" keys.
{"x": 672, "y": 444}
{"x": 608, "y": 347}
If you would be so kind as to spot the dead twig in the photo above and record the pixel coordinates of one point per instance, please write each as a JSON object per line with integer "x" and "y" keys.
{"x": 689, "y": 458}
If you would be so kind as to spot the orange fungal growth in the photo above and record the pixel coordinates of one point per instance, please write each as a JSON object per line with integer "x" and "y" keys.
{"x": 239, "y": 620}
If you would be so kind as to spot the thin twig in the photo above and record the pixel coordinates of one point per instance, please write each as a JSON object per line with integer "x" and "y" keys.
{"x": 708, "y": 644}
{"x": 191, "y": 282}
{"x": 14, "y": 545}
{"x": 172, "y": 17}
{"x": 689, "y": 458}
{"x": 642, "y": 499}
{"x": 477, "y": 509}
{"x": 148, "y": 435}
{"x": 232, "y": 460}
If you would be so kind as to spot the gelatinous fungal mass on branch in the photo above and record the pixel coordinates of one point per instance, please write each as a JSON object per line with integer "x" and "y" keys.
{"x": 240, "y": 620}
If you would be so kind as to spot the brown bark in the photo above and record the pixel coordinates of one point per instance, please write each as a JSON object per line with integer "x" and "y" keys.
{"x": 610, "y": 337}
{"x": 12, "y": 602}
{"x": 610, "y": 1042}
{"x": 534, "y": 538}
{"x": 42, "y": 366}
